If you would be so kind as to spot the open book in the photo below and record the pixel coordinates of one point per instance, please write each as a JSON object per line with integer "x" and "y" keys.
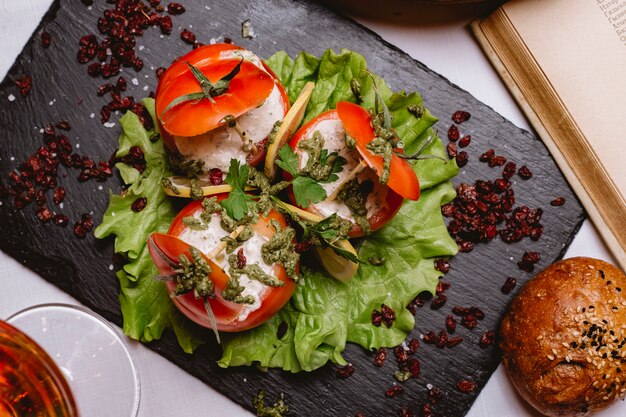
{"x": 565, "y": 63}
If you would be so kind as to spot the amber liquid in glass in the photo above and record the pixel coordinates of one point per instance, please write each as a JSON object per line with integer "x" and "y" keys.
{"x": 31, "y": 385}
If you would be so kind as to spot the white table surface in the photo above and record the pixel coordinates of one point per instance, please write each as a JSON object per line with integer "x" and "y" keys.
{"x": 435, "y": 35}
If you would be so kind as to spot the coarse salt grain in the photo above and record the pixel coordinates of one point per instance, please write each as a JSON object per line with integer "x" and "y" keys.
{"x": 11, "y": 97}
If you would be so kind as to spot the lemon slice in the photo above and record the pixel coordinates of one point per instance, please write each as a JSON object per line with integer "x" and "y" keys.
{"x": 290, "y": 123}
{"x": 337, "y": 266}
{"x": 181, "y": 187}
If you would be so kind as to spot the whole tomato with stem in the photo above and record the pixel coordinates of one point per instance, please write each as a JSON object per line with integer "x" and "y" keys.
{"x": 185, "y": 110}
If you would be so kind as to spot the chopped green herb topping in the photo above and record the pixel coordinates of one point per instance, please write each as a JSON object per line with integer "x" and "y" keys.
{"x": 233, "y": 290}
{"x": 279, "y": 409}
{"x": 322, "y": 166}
{"x": 350, "y": 141}
{"x": 354, "y": 194}
{"x": 415, "y": 110}
{"x": 196, "y": 190}
{"x": 382, "y": 147}
{"x": 194, "y": 223}
{"x": 232, "y": 244}
{"x": 194, "y": 276}
{"x": 272, "y": 136}
{"x": 376, "y": 261}
{"x": 280, "y": 249}
{"x": 402, "y": 376}
{"x": 188, "y": 168}
{"x": 253, "y": 271}
{"x": 355, "y": 86}
{"x": 167, "y": 183}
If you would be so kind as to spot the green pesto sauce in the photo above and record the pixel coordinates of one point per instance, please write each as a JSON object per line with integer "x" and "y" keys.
{"x": 382, "y": 147}
{"x": 233, "y": 290}
{"x": 321, "y": 164}
{"x": 272, "y": 136}
{"x": 188, "y": 168}
{"x": 193, "y": 276}
{"x": 354, "y": 195}
{"x": 196, "y": 190}
{"x": 278, "y": 409}
{"x": 167, "y": 183}
{"x": 253, "y": 271}
{"x": 210, "y": 206}
{"x": 355, "y": 86}
{"x": 415, "y": 110}
{"x": 280, "y": 249}
{"x": 258, "y": 180}
{"x": 232, "y": 244}
{"x": 376, "y": 261}
{"x": 350, "y": 141}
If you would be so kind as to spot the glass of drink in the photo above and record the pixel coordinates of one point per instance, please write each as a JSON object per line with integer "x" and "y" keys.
{"x": 30, "y": 382}
{"x": 65, "y": 361}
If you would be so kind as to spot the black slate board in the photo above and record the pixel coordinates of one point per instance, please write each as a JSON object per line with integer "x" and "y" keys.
{"x": 63, "y": 90}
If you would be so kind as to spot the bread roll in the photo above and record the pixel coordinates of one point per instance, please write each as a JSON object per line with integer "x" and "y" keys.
{"x": 564, "y": 338}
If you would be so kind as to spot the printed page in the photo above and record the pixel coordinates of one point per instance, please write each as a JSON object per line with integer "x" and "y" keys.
{"x": 581, "y": 47}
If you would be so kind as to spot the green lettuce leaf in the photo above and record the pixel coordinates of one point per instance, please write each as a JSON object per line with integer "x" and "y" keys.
{"x": 146, "y": 306}
{"x": 323, "y": 314}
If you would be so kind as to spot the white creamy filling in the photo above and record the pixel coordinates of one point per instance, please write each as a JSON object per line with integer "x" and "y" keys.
{"x": 218, "y": 146}
{"x": 334, "y": 135}
{"x": 208, "y": 239}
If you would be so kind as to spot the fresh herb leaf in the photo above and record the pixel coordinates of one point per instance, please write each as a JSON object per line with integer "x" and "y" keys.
{"x": 183, "y": 99}
{"x": 338, "y": 163}
{"x": 288, "y": 160}
{"x": 238, "y": 204}
{"x": 307, "y": 191}
{"x": 222, "y": 85}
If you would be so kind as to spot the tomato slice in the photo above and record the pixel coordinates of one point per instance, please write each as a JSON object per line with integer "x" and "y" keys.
{"x": 390, "y": 201}
{"x": 247, "y": 90}
{"x": 272, "y": 299}
{"x": 357, "y": 122}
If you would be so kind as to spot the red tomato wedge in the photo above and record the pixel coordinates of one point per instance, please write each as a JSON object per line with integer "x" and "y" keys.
{"x": 390, "y": 200}
{"x": 247, "y": 90}
{"x": 171, "y": 247}
{"x": 357, "y": 122}
{"x": 227, "y": 313}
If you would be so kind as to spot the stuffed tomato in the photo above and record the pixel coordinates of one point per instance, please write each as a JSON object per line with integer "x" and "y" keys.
{"x": 216, "y": 103}
{"x": 332, "y": 149}
{"x": 248, "y": 266}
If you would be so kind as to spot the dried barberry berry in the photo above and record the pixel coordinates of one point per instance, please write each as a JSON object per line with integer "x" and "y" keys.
{"x": 460, "y": 116}
{"x": 345, "y": 371}
{"x": 557, "y": 202}
{"x": 466, "y": 386}
{"x": 46, "y": 39}
{"x": 139, "y": 204}
{"x": 509, "y": 285}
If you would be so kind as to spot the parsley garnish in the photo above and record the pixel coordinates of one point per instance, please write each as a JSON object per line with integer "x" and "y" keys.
{"x": 238, "y": 204}
{"x": 306, "y": 190}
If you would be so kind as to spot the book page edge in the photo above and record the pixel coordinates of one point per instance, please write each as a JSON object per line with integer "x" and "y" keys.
{"x": 606, "y": 233}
